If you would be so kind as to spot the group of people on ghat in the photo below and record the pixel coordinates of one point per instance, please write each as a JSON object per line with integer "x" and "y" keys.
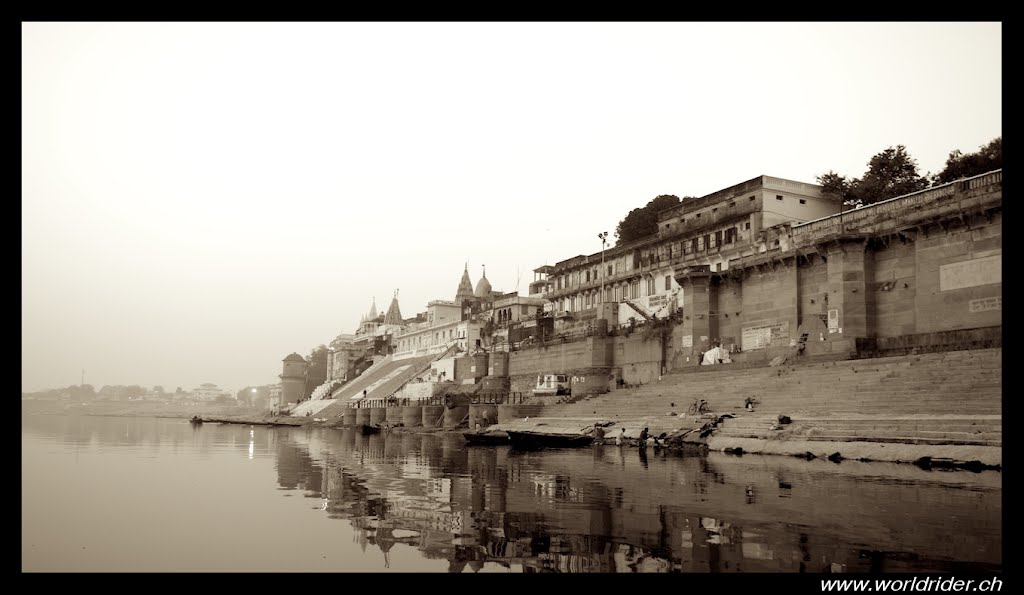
{"x": 620, "y": 438}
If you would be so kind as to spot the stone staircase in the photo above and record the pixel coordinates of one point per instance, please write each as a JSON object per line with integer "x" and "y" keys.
{"x": 935, "y": 398}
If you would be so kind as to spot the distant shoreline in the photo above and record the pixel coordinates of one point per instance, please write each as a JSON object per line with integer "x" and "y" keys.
{"x": 134, "y": 409}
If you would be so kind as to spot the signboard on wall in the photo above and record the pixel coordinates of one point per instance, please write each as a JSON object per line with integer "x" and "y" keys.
{"x": 759, "y": 337}
{"x": 687, "y": 340}
{"x": 985, "y": 304}
{"x": 970, "y": 273}
{"x": 833, "y": 319}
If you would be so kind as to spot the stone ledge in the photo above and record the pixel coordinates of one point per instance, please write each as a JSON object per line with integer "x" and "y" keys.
{"x": 988, "y": 456}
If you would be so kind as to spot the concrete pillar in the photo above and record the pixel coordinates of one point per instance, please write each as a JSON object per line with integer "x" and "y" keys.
{"x": 498, "y": 365}
{"x": 348, "y": 417}
{"x": 431, "y": 414}
{"x": 412, "y": 416}
{"x": 695, "y": 282}
{"x": 847, "y": 293}
{"x": 454, "y": 415}
{"x": 362, "y": 416}
{"x": 393, "y": 415}
{"x": 377, "y": 414}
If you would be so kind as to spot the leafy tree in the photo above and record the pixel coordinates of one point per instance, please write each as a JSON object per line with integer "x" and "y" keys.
{"x": 643, "y": 222}
{"x": 833, "y": 185}
{"x": 959, "y": 165}
{"x": 891, "y": 173}
{"x": 83, "y": 392}
{"x": 134, "y": 391}
{"x": 316, "y": 369}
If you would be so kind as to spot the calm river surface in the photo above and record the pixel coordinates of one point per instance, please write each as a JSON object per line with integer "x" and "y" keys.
{"x": 126, "y": 494}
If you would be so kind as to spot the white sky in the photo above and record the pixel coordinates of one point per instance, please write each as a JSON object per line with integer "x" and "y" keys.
{"x": 201, "y": 199}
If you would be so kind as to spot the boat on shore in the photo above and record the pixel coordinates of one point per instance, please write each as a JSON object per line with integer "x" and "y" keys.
{"x": 526, "y": 440}
{"x": 494, "y": 438}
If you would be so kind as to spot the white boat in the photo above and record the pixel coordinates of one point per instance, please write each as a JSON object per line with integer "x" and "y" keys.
{"x": 551, "y": 385}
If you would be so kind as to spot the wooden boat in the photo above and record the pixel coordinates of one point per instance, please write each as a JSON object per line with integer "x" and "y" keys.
{"x": 368, "y": 429}
{"x": 526, "y": 440}
{"x": 196, "y": 420}
{"x": 485, "y": 438}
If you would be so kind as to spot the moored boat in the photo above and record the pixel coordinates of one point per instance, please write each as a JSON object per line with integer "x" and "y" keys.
{"x": 486, "y": 438}
{"x": 196, "y": 420}
{"x": 368, "y": 429}
{"x": 526, "y": 440}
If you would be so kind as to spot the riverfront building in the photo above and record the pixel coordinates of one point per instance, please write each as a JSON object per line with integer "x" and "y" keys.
{"x": 637, "y": 279}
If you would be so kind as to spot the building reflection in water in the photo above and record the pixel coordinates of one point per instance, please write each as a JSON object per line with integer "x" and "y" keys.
{"x": 596, "y": 510}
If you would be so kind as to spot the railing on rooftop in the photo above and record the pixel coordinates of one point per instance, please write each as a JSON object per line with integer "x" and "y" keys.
{"x": 851, "y": 220}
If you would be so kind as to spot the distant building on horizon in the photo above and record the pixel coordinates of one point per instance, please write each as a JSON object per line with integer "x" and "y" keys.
{"x": 208, "y": 391}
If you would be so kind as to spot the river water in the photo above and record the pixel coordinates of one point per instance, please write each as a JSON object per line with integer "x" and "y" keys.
{"x": 129, "y": 494}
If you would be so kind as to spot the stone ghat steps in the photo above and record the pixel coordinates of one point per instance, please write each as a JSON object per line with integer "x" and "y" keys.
{"x": 966, "y": 430}
{"x": 961, "y": 383}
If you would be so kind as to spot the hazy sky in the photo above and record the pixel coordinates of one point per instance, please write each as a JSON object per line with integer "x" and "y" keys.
{"x": 199, "y": 200}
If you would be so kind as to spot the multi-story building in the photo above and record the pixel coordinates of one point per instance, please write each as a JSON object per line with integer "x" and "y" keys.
{"x": 741, "y": 220}
{"x": 342, "y": 355}
{"x": 448, "y": 322}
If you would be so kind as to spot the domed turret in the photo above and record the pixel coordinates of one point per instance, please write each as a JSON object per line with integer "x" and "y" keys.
{"x": 483, "y": 286}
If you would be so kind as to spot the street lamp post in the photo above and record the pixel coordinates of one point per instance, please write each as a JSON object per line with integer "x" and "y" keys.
{"x": 604, "y": 239}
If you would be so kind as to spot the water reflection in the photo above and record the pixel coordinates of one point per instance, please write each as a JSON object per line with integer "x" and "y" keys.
{"x": 610, "y": 510}
{"x": 602, "y": 509}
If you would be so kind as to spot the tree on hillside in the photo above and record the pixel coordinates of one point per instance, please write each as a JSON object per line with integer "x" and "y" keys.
{"x": 959, "y": 165}
{"x": 642, "y": 222}
{"x": 316, "y": 369}
{"x": 891, "y": 173}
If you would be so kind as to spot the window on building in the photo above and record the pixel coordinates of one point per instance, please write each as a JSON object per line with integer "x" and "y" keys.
{"x": 707, "y": 240}
{"x": 752, "y": 198}
{"x": 695, "y": 245}
{"x": 610, "y": 268}
{"x": 608, "y": 295}
{"x": 698, "y": 215}
{"x": 714, "y": 210}
{"x": 803, "y": 202}
{"x": 718, "y": 238}
{"x": 747, "y": 225}
{"x": 668, "y": 282}
{"x": 778, "y": 197}
{"x": 732, "y": 204}
{"x": 588, "y": 276}
{"x": 650, "y": 286}
{"x": 718, "y": 266}
{"x": 634, "y": 289}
